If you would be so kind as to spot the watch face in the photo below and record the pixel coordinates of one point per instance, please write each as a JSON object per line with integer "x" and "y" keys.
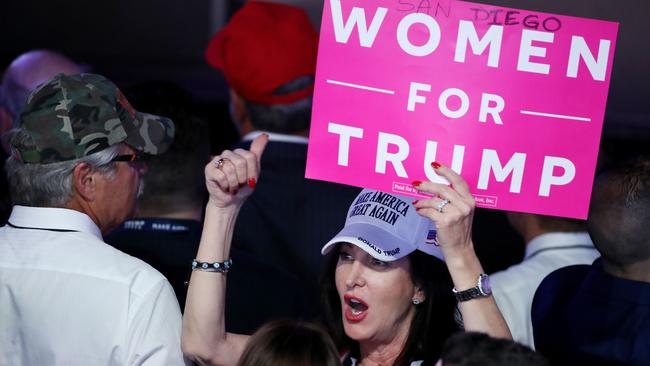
{"x": 484, "y": 285}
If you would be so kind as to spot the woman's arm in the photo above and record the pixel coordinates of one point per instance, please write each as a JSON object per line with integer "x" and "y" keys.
{"x": 454, "y": 230}
{"x": 204, "y": 337}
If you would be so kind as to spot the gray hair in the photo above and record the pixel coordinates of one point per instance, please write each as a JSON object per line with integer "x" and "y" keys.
{"x": 283, "y": 118}
{"x": 50, "y": 185}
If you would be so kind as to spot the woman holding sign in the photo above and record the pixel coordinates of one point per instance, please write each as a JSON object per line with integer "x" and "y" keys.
{"x": 388, "y": 298}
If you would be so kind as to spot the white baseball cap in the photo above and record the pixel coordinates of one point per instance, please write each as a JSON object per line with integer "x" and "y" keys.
{"x": 387, "y": 227}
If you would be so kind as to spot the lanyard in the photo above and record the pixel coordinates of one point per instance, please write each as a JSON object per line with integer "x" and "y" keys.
{"x": 41, "y": 228}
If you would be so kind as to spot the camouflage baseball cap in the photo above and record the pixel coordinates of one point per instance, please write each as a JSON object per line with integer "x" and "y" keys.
{"x": 72, "y": 116}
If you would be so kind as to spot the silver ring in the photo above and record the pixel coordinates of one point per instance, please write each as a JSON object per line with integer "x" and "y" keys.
{"x": 219, "y": 162}
{"x": 442, "y": 205}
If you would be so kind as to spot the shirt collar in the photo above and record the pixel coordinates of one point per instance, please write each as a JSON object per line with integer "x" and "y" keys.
{"x": 53, "y": 218}
{"x": 557, "y": 240}
{"x": 279, "y": 137}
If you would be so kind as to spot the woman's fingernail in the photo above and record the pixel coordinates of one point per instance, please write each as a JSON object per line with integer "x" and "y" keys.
{"x": 435, "y": 165}
{"x": 251, "y": 182}
{"x": 416, "y": 202}
{"x": 418, "y": 208}
{"x": 416, "y": 183}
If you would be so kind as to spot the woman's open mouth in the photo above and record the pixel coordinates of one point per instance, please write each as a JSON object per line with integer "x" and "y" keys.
{"x": 354, "y": 308}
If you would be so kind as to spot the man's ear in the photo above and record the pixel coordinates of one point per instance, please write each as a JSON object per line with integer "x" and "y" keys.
{"x": 84, "y": 181}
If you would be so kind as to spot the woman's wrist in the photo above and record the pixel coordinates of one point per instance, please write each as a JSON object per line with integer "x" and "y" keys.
{"x": 459, "y": 255}
{"x": 463, "y": 265}
{"x": 214, "y": 208}
{"x": 218, "y": 227}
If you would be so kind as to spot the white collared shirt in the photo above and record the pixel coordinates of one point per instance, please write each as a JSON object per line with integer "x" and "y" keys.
{"x": 514, "y": 288}
{"x": 68, "y": 298}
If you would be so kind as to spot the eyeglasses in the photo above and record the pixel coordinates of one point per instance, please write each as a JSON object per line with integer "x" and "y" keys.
{"x": 135, "y": 157}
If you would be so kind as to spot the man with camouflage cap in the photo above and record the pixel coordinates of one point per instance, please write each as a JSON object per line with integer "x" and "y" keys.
{"x": 66, "y": 297}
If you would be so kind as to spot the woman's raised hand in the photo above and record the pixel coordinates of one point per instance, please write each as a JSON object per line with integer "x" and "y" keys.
{"x": 451, "y": 208}
{"x": 231, "y": 176}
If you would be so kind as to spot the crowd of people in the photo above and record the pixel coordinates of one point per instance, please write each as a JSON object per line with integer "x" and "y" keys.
{"x": 126, "y": 243}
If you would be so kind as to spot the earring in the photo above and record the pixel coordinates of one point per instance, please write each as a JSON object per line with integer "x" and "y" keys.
{"x": 415, "y": 301}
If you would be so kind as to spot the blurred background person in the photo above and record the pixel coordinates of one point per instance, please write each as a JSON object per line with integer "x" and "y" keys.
{"x": 290, "y": 343}
{"x": 551, "y": 243}
{"x": 25, "y": 73}
{"x": 166, "y": 230}
{"x": 598, "y": 314}
{"x": 479, "y": 349}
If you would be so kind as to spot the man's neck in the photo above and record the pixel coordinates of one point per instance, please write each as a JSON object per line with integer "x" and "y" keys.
{"x": 82, "y": 206}
{"x": 639, "y": 271}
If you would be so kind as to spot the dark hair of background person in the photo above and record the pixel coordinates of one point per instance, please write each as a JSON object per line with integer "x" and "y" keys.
{"x": 174, "y": 180}
{"x": 433, "y": 321}
{"x": 283, "y": 118}
{"x": 479, "y": 349}
{"x": 619, "y": 215}
{"x": 289, "y": 343}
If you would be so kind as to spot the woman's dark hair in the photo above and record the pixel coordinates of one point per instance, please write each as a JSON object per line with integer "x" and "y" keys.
{"x": 432, "y": 324}
{"x": 288, "y": 343}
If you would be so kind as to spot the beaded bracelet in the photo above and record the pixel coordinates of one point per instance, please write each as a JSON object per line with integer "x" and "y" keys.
{"x": 221, "y": 267}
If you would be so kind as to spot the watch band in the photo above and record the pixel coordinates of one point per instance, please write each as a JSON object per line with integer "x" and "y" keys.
{"x": 473, "y": 292}
{"x": 466, "y": 295}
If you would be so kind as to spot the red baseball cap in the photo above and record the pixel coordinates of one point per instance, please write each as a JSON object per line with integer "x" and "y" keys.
{"x": 264, "y": 46}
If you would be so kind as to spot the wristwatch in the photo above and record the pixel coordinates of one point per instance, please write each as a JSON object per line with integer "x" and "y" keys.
{"x": 482, "y": 289}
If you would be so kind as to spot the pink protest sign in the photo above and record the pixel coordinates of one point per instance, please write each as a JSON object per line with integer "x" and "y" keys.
{"x": 511, "y": 99}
